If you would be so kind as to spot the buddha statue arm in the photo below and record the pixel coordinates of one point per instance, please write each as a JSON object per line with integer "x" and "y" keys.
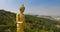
{"x": 16, "y": 17}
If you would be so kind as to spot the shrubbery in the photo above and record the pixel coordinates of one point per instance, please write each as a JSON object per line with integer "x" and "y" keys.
{"x": 34, "y": 24}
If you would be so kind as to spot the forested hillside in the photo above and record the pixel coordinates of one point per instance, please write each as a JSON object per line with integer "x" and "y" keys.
{"x": 34, "y": 24}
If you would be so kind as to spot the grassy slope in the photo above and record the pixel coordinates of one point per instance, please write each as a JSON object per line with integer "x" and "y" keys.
{"x": 34, "y": 24}
{"x": 7, "y": 20}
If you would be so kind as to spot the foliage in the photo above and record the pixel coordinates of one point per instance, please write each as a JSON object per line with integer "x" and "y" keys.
{"x": 34, "y": 24}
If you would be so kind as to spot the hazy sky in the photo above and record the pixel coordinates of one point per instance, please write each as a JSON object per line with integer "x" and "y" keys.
{"x": 38, "y": 7}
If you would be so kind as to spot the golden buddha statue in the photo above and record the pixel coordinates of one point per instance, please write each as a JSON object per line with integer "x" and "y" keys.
{"x": 20, "y": 19}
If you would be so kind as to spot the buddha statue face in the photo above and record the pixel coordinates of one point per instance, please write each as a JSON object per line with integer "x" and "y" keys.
{"x": 22, "y": 8}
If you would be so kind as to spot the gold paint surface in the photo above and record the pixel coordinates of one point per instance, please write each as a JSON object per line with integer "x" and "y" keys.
{"x": 20, "y": 18}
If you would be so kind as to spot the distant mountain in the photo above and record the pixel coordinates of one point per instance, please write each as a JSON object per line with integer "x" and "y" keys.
{"x": 57, "y": 16}
{"x": 33, "y": 23}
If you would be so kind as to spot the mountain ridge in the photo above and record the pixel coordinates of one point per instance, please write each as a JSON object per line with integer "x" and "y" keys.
{"x": 34, "y": 24}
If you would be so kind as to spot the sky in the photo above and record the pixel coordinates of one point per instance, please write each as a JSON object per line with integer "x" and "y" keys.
{"x": 33, "y": 7}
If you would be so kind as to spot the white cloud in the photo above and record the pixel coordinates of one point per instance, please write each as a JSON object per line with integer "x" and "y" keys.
{"x": 40, "y": 10}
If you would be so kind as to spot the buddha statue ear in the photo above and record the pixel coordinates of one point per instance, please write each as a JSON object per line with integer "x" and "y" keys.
{"x": 22, "y": 8}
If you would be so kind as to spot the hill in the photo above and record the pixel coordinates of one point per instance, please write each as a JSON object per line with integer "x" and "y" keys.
{"x": 7, "y": 20}
{"x": 34, "y": 24}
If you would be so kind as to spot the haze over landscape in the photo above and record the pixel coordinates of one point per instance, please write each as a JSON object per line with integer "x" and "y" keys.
{"x": 35, "y": 7}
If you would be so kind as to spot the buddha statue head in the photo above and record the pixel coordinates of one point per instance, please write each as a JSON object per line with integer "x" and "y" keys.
{"x": 22, "y": 8}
